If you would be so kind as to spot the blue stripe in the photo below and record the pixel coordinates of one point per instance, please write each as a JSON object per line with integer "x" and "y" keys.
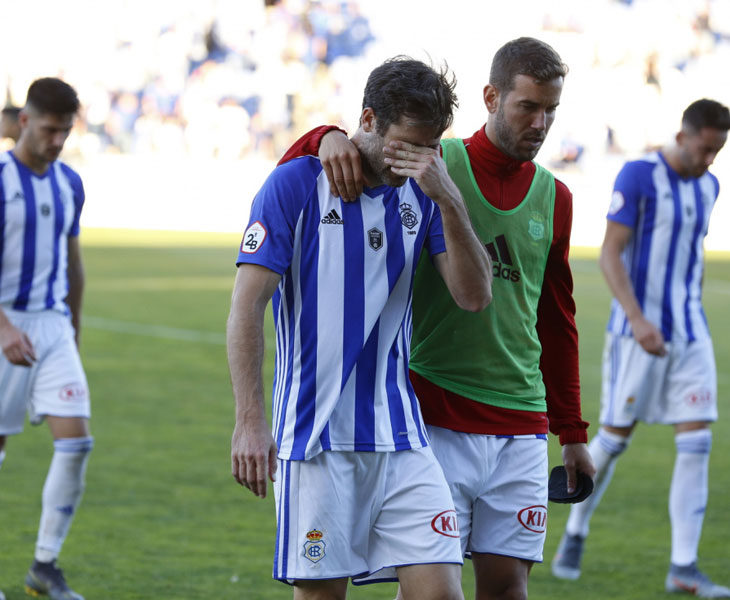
{"x": 284, "y": 352}
{"x": 80, "y": 445}
{"x": 354, "y": 292}
{"x": 639, "y": 275}
{"x": 667, "y": 317}
{"x": 700, "y": 216}
{"x": 282, "y": 538}
{"x": 29, "y": 236}
{"x": 364, "y": 404}
{"x": 395, "y": 261}
{"x": 415, "y": 407}
{"x": 2, "y": 220}
{"x": 308, "y": 277}
{"x": 613, "y": 378}
{"x": 57, "y": 230}
{"x": 279, "y": 513}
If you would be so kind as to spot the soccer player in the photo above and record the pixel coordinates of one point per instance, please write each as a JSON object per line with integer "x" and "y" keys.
{"x": 359, "y": 492}
{"x": 41, "y": 285}
{"x": 658, "y": 361}
{"x": 491, "y": 384}
{"x": 9, "y": 125}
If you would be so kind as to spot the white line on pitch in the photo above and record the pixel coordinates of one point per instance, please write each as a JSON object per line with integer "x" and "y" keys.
{"x": 157, "y": 331}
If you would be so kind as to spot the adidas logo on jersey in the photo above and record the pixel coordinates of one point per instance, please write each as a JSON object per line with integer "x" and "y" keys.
{"x": 332, "y": 218}
{"x": 502, "y": 260}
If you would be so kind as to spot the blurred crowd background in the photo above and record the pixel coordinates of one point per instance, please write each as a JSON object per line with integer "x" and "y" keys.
{"x": 187, "y": 103}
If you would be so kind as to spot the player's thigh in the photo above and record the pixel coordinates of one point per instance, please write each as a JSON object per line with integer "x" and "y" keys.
{"x": 15, "y": 386}
{"x": 510, "y": 516}
{"x": 60, "y": 388}
{"x": 68, "y": 427}
{"x": 691, "y": 394}
{"x": 328, "y": 589}
{"x": 464, "y": 461}
{"x": 500, "y": 577}
{"x": 416, "y": 523}
{"x": 324, "y": 509}
{"x": 633, "y": 382}
{"x": 430, "y": 582}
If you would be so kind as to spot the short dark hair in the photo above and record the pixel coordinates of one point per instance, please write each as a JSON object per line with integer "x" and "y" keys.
{"x": 51, "y": 95}
{"x": 706, "y": 113}
{"x": 11, "y": 111}
{"x": 404, "y": 87}
{"x": 525, "y": 56}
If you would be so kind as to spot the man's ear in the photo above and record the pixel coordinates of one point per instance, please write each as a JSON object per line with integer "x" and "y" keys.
{"x": 367, "y": 120}
{"x": 491, "y": 98}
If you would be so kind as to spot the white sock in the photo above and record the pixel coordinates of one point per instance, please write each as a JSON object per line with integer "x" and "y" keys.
{"x": 2, "y": 458}
{"x": 605, "y": 448}
{"x": 688, "y": 493}
{"x": 61, "y": 494}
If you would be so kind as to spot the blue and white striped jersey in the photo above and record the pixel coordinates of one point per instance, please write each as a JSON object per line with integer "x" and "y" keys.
{"x": 342, "y": 308}
{"x": 664, "y": 259}
{"x": 37, "y": 214}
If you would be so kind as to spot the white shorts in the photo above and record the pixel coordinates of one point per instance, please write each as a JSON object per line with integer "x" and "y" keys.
{"x": 680, "y": 387}
{"x": 499, "y": 487}
{"x": 361, "y": 514}
{"x": 55, "y": 385}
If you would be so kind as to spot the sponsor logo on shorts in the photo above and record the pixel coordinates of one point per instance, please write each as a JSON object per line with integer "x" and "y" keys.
{"x": 72, "y": 392}
{"x": 699, "y": 399}
{"x": 446, "y": 524}
{"x": 314, "y": 546}
{"x": 533, "y": 518}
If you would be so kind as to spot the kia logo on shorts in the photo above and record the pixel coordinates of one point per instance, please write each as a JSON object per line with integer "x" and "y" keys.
{"x": 533, "y": 518}
{"x": 445, "y": 524}
{"x": 72, "y": 392}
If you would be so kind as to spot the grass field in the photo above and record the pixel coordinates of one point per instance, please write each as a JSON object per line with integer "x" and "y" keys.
{"x": 162, "y": 518}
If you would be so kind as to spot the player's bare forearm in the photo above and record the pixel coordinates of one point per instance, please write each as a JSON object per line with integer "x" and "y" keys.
{"x": 465, "y": 267}
{"x": 614, "y": 271}
{"x": 76, "y": 282}
{"x": 253, "y": 451}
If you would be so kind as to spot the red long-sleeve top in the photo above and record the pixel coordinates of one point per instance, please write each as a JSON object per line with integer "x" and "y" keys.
{"x": 504, "y": 182}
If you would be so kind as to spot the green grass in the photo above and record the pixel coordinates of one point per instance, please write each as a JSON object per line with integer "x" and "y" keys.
{"x": 162, "y": 517}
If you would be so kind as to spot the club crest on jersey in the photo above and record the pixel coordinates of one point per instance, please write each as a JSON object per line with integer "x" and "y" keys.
{"x": 375, "y": 238}
{"x": 446, "y": 524}
{"x": 407, "y": 216}
{"x": 533, "y": 518}
{"x": 536, "y": 227}
{"x": 253, "y": 238}
{"x": 314, "y": 546}
{"x": 45, "y": 210}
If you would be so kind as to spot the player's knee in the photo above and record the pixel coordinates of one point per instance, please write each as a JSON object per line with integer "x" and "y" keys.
{"x": 613, "y": 443}
{"x": 697, "y": 441}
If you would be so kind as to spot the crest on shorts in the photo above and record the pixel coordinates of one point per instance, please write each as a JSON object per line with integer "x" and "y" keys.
{"x": 314, "y": 546}
{"x": 407, "y": 216}
{"x": 375, "y": 238}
